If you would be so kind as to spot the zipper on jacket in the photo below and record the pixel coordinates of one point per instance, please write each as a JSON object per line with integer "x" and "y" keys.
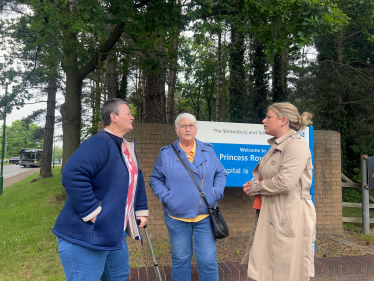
{"x": 202, "y": 186}
{"x": 202, "y": 183}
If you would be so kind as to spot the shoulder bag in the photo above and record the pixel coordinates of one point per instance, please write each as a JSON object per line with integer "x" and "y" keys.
{"x": 219, "y": 226}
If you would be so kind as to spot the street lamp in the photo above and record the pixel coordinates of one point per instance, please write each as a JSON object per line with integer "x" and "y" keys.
{"x": 3, "y": 146}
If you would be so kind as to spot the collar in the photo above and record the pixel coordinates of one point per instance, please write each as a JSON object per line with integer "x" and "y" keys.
{"x": 281, "y": 142}
{"x": 282, "y": 138}
{"x": 116, "y": 139}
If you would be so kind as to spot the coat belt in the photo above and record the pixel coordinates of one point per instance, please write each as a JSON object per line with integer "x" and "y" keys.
{"x": 306, "y": 196}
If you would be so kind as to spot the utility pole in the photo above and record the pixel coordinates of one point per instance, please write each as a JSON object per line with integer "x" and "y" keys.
{"x": 3, "y": 146}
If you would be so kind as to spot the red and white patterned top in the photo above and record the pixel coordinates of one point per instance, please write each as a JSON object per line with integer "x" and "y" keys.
{"x": 133, "y": 178}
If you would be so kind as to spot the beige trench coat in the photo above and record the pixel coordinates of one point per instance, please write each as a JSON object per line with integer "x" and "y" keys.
{"x": 283, "y": 246}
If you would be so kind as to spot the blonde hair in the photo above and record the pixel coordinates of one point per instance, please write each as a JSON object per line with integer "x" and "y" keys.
{"x": 296, "y": 121}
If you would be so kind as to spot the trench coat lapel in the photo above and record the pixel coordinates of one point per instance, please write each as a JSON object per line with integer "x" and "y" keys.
{"x": 276, "y": 144}
{"x": 281, "y": 141}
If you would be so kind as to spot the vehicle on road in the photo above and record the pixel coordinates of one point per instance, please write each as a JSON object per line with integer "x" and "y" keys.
{"x": 30, "y": 157}
{"x": 14, "y": 160}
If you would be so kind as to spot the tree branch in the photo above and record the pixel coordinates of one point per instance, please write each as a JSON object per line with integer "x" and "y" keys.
{"x": 102, "y": 53}
{"x": 351, "y": 35}
{"x": 346, "y": 65}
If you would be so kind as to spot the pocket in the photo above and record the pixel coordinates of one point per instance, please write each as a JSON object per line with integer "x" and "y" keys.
{"x": 95, "y": 225}
{"x": 285, "y": 224}
{"x": 166, "y": 199}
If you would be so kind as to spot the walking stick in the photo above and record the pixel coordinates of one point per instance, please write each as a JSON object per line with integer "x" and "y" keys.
{"x": 152, "y": 252}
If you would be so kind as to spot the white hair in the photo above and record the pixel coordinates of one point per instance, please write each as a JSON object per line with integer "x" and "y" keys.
{"x": 184, "y": 116}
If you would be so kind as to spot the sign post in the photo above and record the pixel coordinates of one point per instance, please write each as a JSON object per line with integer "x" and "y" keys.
{"x": 365, "y": 194}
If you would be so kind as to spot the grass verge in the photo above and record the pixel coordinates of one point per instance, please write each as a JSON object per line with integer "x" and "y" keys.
{"x": 28, "y": 210}
{"x": 28, "y": 248}
{"x": 356, "y": 228}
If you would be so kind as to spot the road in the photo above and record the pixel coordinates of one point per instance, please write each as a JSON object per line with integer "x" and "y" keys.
{"x": 12, "y": 170}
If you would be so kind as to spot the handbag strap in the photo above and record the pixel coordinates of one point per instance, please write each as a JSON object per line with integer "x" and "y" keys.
{"x": 202, "y": 194}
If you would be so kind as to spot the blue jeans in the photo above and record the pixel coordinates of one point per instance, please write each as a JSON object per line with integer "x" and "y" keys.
{"x": 85, "y": 264}
{"x": 204, "y": 245}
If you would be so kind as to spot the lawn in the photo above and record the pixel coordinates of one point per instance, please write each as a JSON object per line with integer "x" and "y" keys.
{"x": 356, "y": 228}
{"x": 28, "y": 210}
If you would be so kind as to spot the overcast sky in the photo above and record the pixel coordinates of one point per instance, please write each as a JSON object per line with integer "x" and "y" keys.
{"x": 18, "y": 114}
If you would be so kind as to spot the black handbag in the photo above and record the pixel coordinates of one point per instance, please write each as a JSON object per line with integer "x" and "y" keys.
{"x": 217, "y": 222}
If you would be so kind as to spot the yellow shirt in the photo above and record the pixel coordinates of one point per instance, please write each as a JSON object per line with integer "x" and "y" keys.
{"x": 191, "y": 156}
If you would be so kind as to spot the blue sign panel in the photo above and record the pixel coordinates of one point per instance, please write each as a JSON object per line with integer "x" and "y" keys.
{"x": 240, "y": 147}
{"x": 239, "y": 160}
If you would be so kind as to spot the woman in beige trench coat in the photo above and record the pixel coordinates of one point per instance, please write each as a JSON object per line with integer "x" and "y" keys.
{"x": 283, "y": 245}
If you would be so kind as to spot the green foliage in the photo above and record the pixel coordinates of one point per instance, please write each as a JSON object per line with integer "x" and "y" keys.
{"x": 337, "y": 88}
{"x": 57, "y": 153}
{"x": 28, "y": 210}
{"x": 198, "y": 91}
{"x": 22, "y": 134}
{"x": 351, "y": 195}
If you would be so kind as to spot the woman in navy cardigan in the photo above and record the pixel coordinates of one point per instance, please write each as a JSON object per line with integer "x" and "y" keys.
{"x": 106, "y": 195}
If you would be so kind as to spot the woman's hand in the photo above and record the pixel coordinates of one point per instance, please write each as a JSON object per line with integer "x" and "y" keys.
{"x": 143, "y": 221}
{"x": 246, "y": 187}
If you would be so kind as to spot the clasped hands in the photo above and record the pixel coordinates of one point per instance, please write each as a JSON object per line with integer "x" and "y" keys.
{"x": 246, "y": 187}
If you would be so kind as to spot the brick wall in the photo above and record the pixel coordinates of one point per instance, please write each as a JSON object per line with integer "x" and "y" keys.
{"x": 236, "y": 206}
{"x": 327, "y": 178}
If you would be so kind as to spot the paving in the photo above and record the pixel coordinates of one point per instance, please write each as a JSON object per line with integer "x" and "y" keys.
{"x": 358, "y": 268}
{"x": 16, "y": 178}
{"x": 350, "y": 268}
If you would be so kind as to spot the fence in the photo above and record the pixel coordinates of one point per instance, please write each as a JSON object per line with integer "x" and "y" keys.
{"x": 357, "y": 186}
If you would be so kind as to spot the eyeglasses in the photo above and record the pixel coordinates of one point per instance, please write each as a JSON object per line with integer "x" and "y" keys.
{"x": 184, "y": 126}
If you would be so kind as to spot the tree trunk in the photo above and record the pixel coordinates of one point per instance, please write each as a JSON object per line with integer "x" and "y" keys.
{"x": 45, "y": 168}
{"x": 143, "y": 95}
{"x": 278, "y": 94}
{"x": 173, "y": 69}
{"x": 172, "y": 82}
{"x": 122, "y": 91}
{"x": 223, "y": 89}
{"x": 237, "y": 77}
{"x": 97, "y": 95}
{"x": 155, "y": 98}
{"x": 340, "y": 42}
{"x": 257, "y": 99}
{"x": 218, "y": 86}
{"x": 71, "y": 114}
{"x": 112, "y": 76}
{"x": 285, "y": 72}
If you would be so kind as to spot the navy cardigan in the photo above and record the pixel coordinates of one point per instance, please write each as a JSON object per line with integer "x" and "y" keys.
{"x": 96, "y": 175}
